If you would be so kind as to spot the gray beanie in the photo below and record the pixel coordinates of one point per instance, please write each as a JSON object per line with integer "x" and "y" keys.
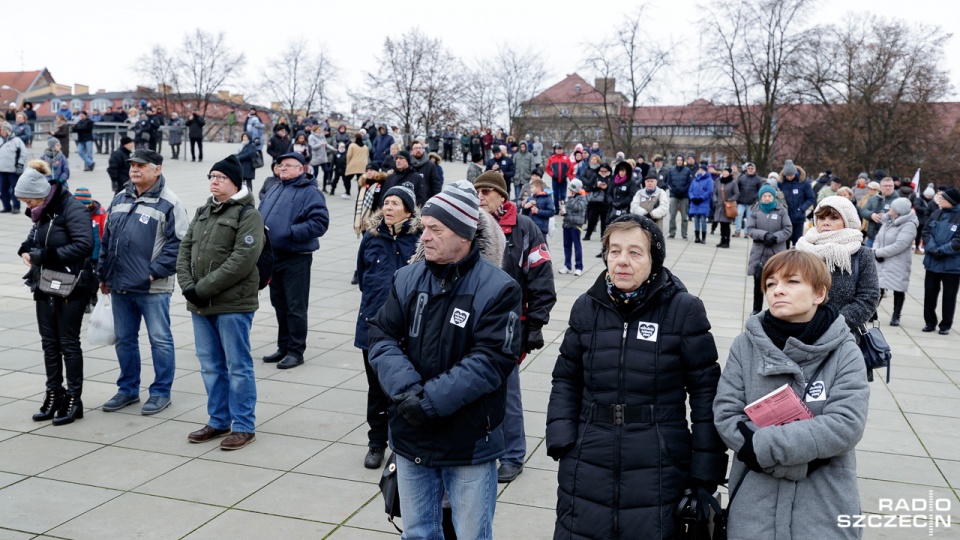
{"x": 32, "y": 185}
{"x": 7, "y": 127}
{"x": 789, "y": 169}
{"x": 457, "y": 207}
{"x": 901, "y": 206}
{"x": 52, "y": 142}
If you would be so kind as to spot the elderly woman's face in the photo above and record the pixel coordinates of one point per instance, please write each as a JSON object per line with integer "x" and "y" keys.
{"x": 767, "y": 198}
{"x": 830, "y": 222}
{"x": 628, "y": 259}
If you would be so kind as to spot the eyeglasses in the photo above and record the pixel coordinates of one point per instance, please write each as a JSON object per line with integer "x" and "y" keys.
{"x": 217, "y": 178}
{"x": 486, "y": 191}
{"x": 289, "y": 166}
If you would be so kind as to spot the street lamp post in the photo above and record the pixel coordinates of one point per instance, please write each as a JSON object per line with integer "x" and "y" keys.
{"x": 19, "y": 93}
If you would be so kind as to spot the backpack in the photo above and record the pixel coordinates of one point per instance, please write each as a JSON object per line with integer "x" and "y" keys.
{"x": 266, "y": 259}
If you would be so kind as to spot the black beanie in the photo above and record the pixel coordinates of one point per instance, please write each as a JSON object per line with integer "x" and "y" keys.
{"x": 231, "y": 168}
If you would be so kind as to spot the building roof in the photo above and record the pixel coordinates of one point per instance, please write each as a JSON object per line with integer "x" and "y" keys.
{"x": 22, "y": 81}
{"x": 566, "y": 91}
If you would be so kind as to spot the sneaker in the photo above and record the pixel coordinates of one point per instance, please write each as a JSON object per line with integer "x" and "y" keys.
{"x": 154, "y": 405}
{"x": 564, "y": 270}
{"x": 578, "y": 273}
{"x": 119, "y": 401}
{"x": 374, "y": 458}
{"x": 345, "y": 196}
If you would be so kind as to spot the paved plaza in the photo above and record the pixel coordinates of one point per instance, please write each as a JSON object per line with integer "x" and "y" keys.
{"x": 122, "y": 475}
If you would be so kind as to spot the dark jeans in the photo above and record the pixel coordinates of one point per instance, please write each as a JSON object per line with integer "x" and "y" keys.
{"x": 290, "y": 296}
{"x": 932, "y": 282}
{"x": 797, "y": 232}
{"x": 918, "y": 241}
{"x": 8, "y": 181}
{"x": 327, "y": 169}
{"x": 347, "y": 182}
{"x": 175, "y": 150}
{"x": 724, "y": 232}
{"x": 571, "y": 244}
{"x": 377, "y": 405}
{"x": 596, "y": 211}
{"x": 898, "y": 300}
{"x": 197, "y": 142}
{"x": 59, "y": 320}
{"x": 757, "y": 291}
{"x": 465, "y": 152}
{"x": 109, "y": 141}
{"x": 448, "y": 151}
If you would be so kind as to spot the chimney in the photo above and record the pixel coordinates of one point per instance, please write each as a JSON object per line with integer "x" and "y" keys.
{"x": 606, "y": 85}
{"x": 80, "y": 89}
{"x": 223, "y": 94}
{"x": 101, "y": 90}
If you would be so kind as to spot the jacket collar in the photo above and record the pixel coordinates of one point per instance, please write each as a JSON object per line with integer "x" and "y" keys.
{"x": 796, "y": 354}
{"x": 152, "y": 193}
{"x": 663, "y": 286}
{"x": 454, "y": 271}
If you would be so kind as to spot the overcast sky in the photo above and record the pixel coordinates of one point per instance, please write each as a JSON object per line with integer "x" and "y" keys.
{"x": 99, "y": 44}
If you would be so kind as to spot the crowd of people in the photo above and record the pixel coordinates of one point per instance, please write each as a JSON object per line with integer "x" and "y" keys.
{"x": 457, "y": 282}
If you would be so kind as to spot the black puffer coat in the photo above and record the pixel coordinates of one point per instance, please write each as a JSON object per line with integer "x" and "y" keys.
{"x": 624, "y": 480}
{"x": 63, "y": 240}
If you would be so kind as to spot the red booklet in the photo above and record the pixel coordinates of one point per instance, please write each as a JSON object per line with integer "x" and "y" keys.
{"x": 777, "y": 408}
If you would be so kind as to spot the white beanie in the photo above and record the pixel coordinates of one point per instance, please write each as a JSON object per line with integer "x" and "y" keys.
{"x": 846, "y": 209}
{"x": 929, "y": 192}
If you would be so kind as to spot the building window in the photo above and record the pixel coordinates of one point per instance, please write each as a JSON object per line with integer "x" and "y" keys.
{"x": 564, "y": 112}
{"x": 54, "y": 105}
{"x": 536, "y": 113}
{"x": 101, "y": 104}
{"x": 127, "y": 104}
{"x": 76, "y": 104}
{"x": 721, "y": 160}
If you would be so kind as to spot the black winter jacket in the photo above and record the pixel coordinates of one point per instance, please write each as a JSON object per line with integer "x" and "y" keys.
{"x": 63, "y": 241}
{"x": 618, "y": 478}
{"x": 527, "y": 260}
{"x": 118, "y": 168}
{"x": 450, "y": 334}
{"x": 431, "y": 178}
{"x": 420, "y": 188}
{"x": 620, "y": 196}
{"x": 750, "y": 189}
{"x": 678, "y": 181}
{"x": 195, "y": 127}
{"x": 84, "y": 130}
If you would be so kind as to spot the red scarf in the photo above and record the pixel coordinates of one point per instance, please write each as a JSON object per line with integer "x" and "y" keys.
{"x": 506, "y": 216}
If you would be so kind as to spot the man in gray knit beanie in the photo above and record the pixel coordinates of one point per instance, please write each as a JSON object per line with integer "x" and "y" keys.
{"x": 457, "y": 207}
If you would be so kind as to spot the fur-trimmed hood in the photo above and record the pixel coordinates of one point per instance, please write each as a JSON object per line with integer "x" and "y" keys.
{"x": 801, "y": 174}
{"x": 372, "y": 224}
{"x": 489, "y": 239}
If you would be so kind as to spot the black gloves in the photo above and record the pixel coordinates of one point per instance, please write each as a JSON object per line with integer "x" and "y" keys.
{"x": 194, "y": 298}
{"x": 769, "y": 240}
{"x": 533, "y": 339}
{"x": 696, "y": 200}
{"x": 36, "y": 256}
{"x": 935, "y": 253}
{"x": 558, "y": 452}
{"x": 746, "y": 453}
{"x": 412, "y": 411}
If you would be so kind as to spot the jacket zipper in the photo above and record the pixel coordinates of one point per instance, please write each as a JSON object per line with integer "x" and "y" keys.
{"x": 616, "y": 436}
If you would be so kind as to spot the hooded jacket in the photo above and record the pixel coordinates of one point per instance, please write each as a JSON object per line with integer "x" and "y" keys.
{"x": 941, "y": 234}
{"x": 59, "y": 166}
{"x": 246, "y": 156}
{"x": 296, "y": 216}
{"x": 618, "y": 479}
{"x": 759, "y": 223}
{"x": 218, "y": 256}
{"x": 878, "y": 204}
{"x": 142, "y": 239}
{"x": 545, "y": 211}
{"x": 894, "y": 245}
{"x": 783, "y": 502}
{"x": 524, "y": 164}
{"x": 13, "y": 154}
{"x": 450, "y": 334}
{"x": 380, "y": 256}
{"x": 431, "y": 177}
{"x": 701, "y": 189}
{"x": 798, "y": 194}
{"x": 381, "y": 145}
{"x": 560, "y": 168}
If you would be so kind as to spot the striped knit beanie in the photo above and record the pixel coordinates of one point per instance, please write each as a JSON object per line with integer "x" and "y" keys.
{"x": 83, "y": 195}
{"x": 457, "y": 207}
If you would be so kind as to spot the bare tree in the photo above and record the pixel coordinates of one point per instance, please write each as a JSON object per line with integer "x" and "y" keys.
{"x": 481, "y": 100}
{"x": 439, "y": 86}
{"x": 756, "y": 43}
{"x": 874, "y": 84}
{"x": 205, "y": 64}
{"x": 158, "y": 66}
{"x": 392, "y": 90}
{"x": 637, "y": 64}
{"x": 520, "y": 76}
{"x": 300, "y": 79}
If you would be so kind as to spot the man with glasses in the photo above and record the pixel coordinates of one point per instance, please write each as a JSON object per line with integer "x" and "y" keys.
{"x": 877, "y": 206}
{"x": 295, "y": 213}
{"x": 138, "y": 260}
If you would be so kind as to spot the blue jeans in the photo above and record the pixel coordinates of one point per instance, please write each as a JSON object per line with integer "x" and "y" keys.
{"x": 472, "y": 490}
{"x": 743, "y": 213}
{"x": 128, "y": 308}
{"x": 514, "y": 438}
{"x": 517, "y": 188}
{"x": 700, "y": 224}
{"x": 85, "y": 150}
{"x": 8, "y": 181}
{"x": 571, "y": 246}
{"x": 223, "y": 347}
{"x": 869, "y": 243}
{"x": 559, "y": 193}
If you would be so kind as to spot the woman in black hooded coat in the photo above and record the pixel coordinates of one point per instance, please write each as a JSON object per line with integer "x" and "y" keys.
{"x": 637, "y": 347}
{"x": 61, "y": 240}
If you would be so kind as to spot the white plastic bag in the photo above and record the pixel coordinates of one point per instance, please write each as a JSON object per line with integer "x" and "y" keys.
{"x": 100, "y": 332}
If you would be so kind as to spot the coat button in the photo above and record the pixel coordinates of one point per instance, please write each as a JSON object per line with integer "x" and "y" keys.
{"x": 417, "y": 461}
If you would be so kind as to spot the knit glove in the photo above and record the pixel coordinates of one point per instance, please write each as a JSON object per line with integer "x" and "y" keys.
{"x": 746, "y": 454}
{"x": 411, "y": 409}
{"x": 769, "y": 240}
{"x": 194, "y": 298}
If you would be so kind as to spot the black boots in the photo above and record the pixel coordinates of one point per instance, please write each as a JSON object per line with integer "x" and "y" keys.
{"x": 52, "y": 402}
{"x": 72, "y": 409}
{"x": 698, "y": 240}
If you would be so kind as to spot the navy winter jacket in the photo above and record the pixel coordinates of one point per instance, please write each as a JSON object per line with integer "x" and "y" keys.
{"x": 451, "y": 335}
{"x": 799, "y": 196}
{"x": 507, "y": 167}
{"x": 142, "y": 239}
{"x": 296, "y": 216}
{"x": 379, "y": 257}
{"x": 678, "y": 180}
{"x": 545, "y": 211}
{"x": 941, "y": 240}
{"x": 381, "y": 147}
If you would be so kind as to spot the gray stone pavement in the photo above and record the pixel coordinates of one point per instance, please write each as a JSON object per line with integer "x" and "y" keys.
{"x": 122, "y": 475}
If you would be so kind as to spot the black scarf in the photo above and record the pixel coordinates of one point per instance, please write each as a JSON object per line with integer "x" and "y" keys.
{"x": 779, "y": 331}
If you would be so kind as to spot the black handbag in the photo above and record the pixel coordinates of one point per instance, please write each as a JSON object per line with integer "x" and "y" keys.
{"x": 53, "y": 282}
{"x": 257, "y": 159}
{"x": 390, "y": 489}
{"x": 876, "y": 351}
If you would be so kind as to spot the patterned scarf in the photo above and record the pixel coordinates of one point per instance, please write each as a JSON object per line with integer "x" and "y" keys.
{"x": 623, "y": 299}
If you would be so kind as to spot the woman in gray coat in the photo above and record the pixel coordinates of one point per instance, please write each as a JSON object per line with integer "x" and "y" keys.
{"x": 727, "y": 189}
{"x": 769, "y": 226}
{"x": 892, "y": 247}
{"x": 791, "y": 481}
